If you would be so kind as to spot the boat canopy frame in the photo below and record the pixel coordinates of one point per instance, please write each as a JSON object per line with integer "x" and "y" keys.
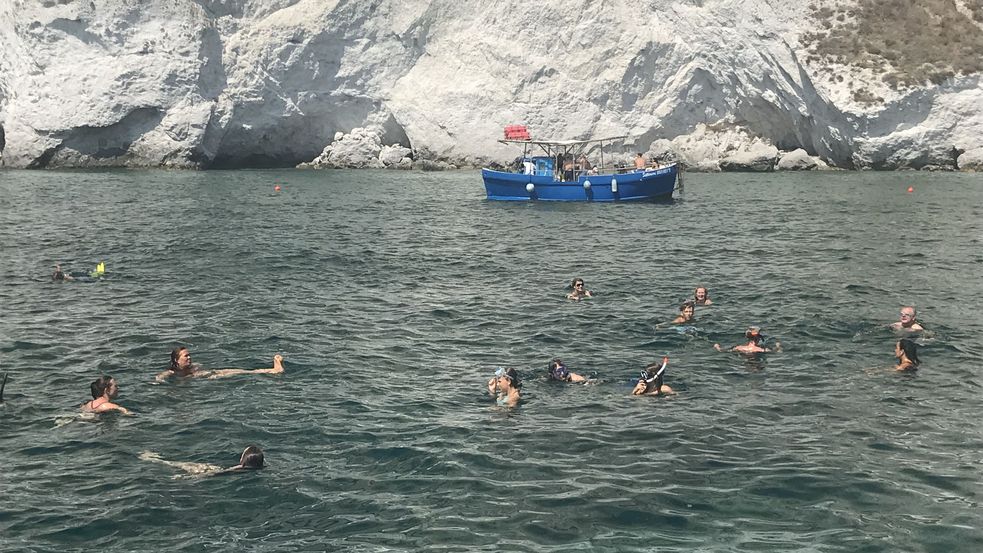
{"x": 573, "y": 148}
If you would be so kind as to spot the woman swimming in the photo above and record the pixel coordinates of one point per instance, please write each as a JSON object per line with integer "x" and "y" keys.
{"x": 252, "y": 458}
{"x": 701, "y": 296}
{"x": 754, "y": 345}
{"x": 181, "y": 365}
{"x": 651, "y": 382}
{"x": 558, "y": 371}
{"x": 907, "y": 353}
{"x": 104, "y": 389}
{"x": 505, "y": 387}
{"x": 578, "y": 291}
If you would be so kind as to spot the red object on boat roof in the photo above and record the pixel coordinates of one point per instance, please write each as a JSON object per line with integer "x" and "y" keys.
{"x": 516, "y": 132}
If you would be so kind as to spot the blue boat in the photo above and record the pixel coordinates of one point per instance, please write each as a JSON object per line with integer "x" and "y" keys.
{"x": 564, "y": 174}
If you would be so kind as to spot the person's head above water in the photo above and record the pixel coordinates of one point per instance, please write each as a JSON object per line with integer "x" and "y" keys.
{"x": 907, "y": 316}
{"x": 104, "y": 385}
{"x": 577, "y": 285}
{"x": 180, "y": 359}
{"x": 508, "y": 377}
{"x": 252, "y": 458}
{"x": 907, "y": 349}
{"x": 753, "y": 334}
{"x": 700, "y": 294}
{"x": 686, "y": 309}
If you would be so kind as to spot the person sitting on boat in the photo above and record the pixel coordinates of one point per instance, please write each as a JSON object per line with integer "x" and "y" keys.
{"x": 907, "y": 321}
{"x": 559, "y": 372}
{"x": 701, "y": 296}
{"x": 640, "y": 162}
{"x": 686, "y": 311}
{"x": 528, "y": 167}
{"x": 754, "y": 345}
{"x": 104, "y": 389}
{"x": 907, "y": 353}
{"x": 583, "y": 164}
{"x": 578, "y": 292}
{"x": 505, "y": 387}
{"x": 652, "y": 381}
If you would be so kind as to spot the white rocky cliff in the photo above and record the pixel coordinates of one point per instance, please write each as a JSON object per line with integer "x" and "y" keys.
{"x": 229, "y": 83}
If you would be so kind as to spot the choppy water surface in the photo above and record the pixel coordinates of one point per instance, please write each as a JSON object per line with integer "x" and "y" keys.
{"x": 393, "y": 296}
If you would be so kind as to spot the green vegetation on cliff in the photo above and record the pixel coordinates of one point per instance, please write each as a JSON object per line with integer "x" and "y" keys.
{"x": 907, "y": 42}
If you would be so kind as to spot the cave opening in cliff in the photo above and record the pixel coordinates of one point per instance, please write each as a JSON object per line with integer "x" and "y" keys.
{"x": 253, "y": 161}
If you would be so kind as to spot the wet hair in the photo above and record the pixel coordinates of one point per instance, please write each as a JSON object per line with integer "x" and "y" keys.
{"x": 252, "y": 458}
{"x": 706, "y": 295}
{"x": 573, "y": 283}
{"x": 175, "y": 353}
{"x": 687, "y": 303}
{"x": 753, "y": 333}
{"x": 910, "y": 350}
{"x": 513, "y": 376}
{"x": 99, "y": 386}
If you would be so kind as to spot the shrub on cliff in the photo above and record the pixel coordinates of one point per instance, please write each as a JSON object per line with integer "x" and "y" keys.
{"x": 908, "y": 43}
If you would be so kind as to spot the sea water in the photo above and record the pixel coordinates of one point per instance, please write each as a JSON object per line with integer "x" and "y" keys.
{"x": 393, "y": 296}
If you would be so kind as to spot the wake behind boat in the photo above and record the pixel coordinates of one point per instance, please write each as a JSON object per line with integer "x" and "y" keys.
{"x": 564, "y": 173}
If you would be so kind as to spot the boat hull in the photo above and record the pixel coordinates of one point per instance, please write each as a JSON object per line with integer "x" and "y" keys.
{"x": 651, "y": 184}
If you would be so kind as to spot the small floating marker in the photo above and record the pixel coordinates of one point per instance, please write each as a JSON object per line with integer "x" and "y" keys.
{"x": 614, "y": 186}
{"x": 911, "y": 189}
{"x": 276, "y": 188}
{"x": 586, "y": 185}
{"x": 530, "y": 188}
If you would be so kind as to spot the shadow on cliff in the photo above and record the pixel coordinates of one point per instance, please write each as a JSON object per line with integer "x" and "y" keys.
{"x": 100, "y": 144}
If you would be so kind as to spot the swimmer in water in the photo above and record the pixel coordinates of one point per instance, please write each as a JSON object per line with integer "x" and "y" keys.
{"x": 652, "y": 381}
{"x": 558, "y": 371}
{"x": 686, "y": 311}
{"x": 60, "y": 275}
{"x": 181, "y": 365}
{"x": 505, "y": 387}
{"x": 701, "y": 296}
{"x": 754, "y": 345}
{"x": 578, "y": 291}
{"x": 907, "y": 353}
{"x": 251, "y": 459}
{"x": 104, "y": 390}
{"x": 907, "y": 321}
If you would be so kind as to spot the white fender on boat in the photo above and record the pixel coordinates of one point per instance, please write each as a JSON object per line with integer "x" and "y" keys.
{"x": 586, "y": 185}
{"x": 530, "y": 188}
{"x": 614, "y": 186}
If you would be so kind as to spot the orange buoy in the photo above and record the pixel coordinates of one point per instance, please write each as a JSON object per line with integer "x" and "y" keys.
{"x": 277, "y": 188}
{"x": 911, "y": 189}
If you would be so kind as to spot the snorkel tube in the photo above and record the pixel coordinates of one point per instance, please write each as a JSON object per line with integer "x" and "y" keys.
{"x": 657, "y": 378}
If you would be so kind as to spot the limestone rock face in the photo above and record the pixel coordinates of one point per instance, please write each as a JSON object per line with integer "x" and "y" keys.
{"x": 797, "y": 160}
{"x": 230, "y": 83}
{"x": 759, "y": 159}
{"x": 971, "y": 160}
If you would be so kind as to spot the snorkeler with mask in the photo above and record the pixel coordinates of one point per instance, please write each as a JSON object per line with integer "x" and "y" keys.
{"x": 754, "y": 345}
{"x": 652, "y": 381}
{"x": 556, "y": 370}
{"x": 505, "y": 387}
